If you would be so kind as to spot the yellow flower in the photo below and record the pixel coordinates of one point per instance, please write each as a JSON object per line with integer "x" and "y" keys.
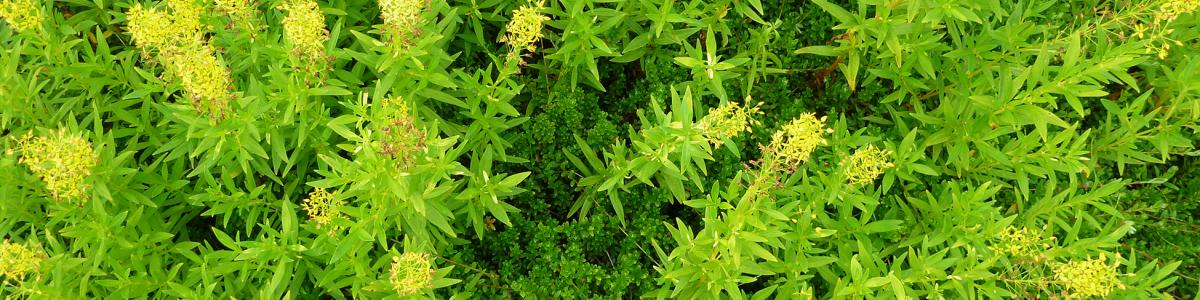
{"x": 411, "y": 273}
{"x": 398, "y": 134}
{"x": 63, "y": 161}
{"x": 525, "y": 28}
{"x": 795, "y": 142}
{"x": 204, "y": 77}
{"x": 184, "y": 53}
{"x": 1089, "y": 278}
{"x": 186, "y": 17}
{"x": 867, "y": 164}
{"x": 154, "y": 28}
{"x": 727, "y": 121}
{"x": 24, "y": 15}
{"x": 1172, "y": 9}
{"x": 401, "y": 20}
{"x": 1157, "y": 32}
{"x": 322, "y": 207}
{"x": 1021, "y": 243}
{"x": 1139, "y": 30}
{"x": 304, "y": 27}
{"x": 18, "y": 261}
{"x": 150, "y": 27}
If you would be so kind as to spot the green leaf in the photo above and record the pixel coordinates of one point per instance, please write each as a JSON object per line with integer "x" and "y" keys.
{"x": 689, "y": 62}
{"x": 617, "y": 206}
{"x": 850, "y": 70}
{"x": 329, "y": 90}
{"x": 838, "y": 12}
{"x": 882, "y": 226}
{"x": 338, "y": 125}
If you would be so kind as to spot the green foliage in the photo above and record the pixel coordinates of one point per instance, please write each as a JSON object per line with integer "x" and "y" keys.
{"x": 598, "y": 149}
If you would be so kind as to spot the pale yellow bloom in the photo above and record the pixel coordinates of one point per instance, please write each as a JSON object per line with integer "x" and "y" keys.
{"x": 186, "y": 18}
{"x": 178, "y": 37}
{"x": 63, "y": 161}
{"x": 794, "y": 143}
{"x": 204, "y": 77}
{"x": 1020, "y": 243}
{"x": 525, "y": 28}
{"x": 411, "y": 273}
{"x": 1089, "y": 278}
{"x": 322, "y": 207}
{"x": 1172, "y": 9}
{"x": 866, "y": 164}
{"x": 401, "y": 20}
{"x": 1157, "y": 31}
{"x": 727, "y": 121}
{"x": 1139, "y": 30}
{"x": 23, "y": 15}
{"x": 150, "y": 27}
{"x": 18, "y": 261}
{"x": 155, "y": 28}
{"x": 304, "y": 27}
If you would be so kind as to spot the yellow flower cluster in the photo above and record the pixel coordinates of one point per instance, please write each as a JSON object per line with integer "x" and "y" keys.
{"x": 63, "y": 162}
{"x": 24, "y": 15}
{"x": 1156, "y": 30}
{"x": 155, "y": 28}
{"x": 322, "y": 207}
{"x": 1089, "y": 278}
{"x": 795, "y": 142}
{"x": 867, "y": 164}
{"x": 1172, "y": 9}
{"x": 150, "y": 27}
{"x": 206, "y": 80}
{"x": 178, "y": 36}
{"x": 401, "y": 20}
{"x": 411, "y": 272}
{"x": 728, "y": 121}
{"x": 525, "y": 29}
{"x": 1020, "y": 243}
{"x": 186, "y": 18}
{"x": 18, "y": 261}
{"x": 304, "y": 27}
{"x": 399, "y": 137}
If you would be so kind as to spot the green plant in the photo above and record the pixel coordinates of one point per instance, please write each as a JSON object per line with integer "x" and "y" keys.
{"x": 597, "y": 149}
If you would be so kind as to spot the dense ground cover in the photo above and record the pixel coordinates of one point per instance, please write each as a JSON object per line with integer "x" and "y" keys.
{"x": 599, "y": 149}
